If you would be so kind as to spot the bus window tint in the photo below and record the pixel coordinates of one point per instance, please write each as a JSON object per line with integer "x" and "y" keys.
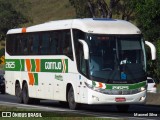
{"x": 41, "y": 43}
{"x": 35, "y": 44}
{"x": 45, "y": 44}
{"x": 9, "y": 42}
{"x": 81, "y": 65}
{"x": 53, "y": 44}
{"x": 25, "y": 46}
{"x": 67, "y": 46}
{"x": 30, "y": 45}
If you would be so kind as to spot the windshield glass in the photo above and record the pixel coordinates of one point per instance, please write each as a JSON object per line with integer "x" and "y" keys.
{"x": 110, "y": 56}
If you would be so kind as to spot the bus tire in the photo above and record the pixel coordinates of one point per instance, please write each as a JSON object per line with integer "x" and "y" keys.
{"x": 71, "y": 100}
{"x": 122, "y": 108}
{"x": 3, "y": 91}
{"x": 18, "y": 93}
{"x": 25, "y": 94}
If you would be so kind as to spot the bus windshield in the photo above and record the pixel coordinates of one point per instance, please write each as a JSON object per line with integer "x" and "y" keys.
{"x": 110, "y": 56}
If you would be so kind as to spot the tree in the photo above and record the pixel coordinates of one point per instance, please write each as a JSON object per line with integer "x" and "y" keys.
{"x": 81, "y": 8}
{"x": 90, "y": 8}
{"x": 99, "y": 8}
{"x": 9, "y": 18}
{"x": 148, "y": 20}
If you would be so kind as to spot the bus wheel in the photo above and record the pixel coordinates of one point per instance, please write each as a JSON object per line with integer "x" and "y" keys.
{"x": 71, "y": 101}
{"x": 25, "y": 94}
{"x": 18, "y": 93}
{"x": 122, "y": 108}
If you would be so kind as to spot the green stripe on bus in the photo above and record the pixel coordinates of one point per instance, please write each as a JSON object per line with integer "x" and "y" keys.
{"x": 22, "y": 65}
{"x": 12, "y": 65}
{"x": 66, "y": 62}
{"x": 33, "y": 65}
{"x": 35, "y": 78}
{"x": 47, "y": 65}
{"x": 129, "y": 86}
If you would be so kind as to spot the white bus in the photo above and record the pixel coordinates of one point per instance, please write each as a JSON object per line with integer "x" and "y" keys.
{"x": 77, "y": 61}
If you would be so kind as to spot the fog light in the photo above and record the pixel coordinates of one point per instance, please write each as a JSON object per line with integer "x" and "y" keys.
{"x": 95, "y": 98}
{"x": 142, "y": 99}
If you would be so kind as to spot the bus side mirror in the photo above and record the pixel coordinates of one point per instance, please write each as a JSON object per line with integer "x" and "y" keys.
{"x": 85, "y": 49}
{"x": 153, "y": 49}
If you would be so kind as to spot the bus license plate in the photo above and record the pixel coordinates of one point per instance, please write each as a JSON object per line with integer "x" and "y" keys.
{"x": 121, "y": 99}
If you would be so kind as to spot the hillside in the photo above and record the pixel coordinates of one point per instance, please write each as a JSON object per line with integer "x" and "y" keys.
{"x": 40, "y": 11}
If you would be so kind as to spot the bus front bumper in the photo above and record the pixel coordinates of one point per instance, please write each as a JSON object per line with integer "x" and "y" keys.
{"x": 95, "y": 97}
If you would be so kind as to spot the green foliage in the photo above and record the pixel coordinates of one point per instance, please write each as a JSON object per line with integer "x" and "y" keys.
{"x": 124, "y": 9}
{"x": 81, "y": 8}
{"x": 9, "y": 17}
{"x": 148, "y": 18}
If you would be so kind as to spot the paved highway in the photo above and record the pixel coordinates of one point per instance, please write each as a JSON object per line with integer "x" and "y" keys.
{"x": 108, "y": 111}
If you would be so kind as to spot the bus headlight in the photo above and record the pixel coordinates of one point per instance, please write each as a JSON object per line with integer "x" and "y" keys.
{"x": 93, "y": 87}
{"x": 89, "y": 86}
{"x": 141, "y": 89}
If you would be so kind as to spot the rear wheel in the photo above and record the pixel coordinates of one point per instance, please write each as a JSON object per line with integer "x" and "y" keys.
{"x": 71, "y": 101}
{"x": 18, "y": 93}
{"x": 122, "y": 108}
{"x": 25, "y": 94}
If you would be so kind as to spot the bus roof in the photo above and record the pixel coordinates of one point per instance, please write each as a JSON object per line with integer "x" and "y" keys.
{"x": 89, "y": 25}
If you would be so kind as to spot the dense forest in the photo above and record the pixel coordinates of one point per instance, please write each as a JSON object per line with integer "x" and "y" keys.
{"x": 143, "y": 13}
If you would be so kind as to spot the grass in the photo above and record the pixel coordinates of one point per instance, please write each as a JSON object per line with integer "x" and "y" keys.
{"x": 41, "y": 11}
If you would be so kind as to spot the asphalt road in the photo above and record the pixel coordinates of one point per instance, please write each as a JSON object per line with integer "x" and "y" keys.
{"x": 108, "y": 111}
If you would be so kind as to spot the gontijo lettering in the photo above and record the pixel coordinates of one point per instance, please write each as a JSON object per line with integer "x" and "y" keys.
{"x": 53, "y": 65}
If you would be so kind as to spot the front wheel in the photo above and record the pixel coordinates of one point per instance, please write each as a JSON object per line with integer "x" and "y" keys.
{"x": 71, "y": 100}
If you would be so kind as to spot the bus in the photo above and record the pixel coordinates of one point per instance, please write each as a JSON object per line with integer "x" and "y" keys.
{"x": 78, "y": 61}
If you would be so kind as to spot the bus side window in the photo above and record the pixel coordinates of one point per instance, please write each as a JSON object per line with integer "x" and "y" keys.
{"x": 25, "y": 44}
{"x": 14, "y": 44}
{"x": 35, "y": 44}
{"x": 67, "y": 45}
{"x": 30, "y": 45}
{"x": 10, "y": 44}
{"x": 53, "y": 43}
{"x": 45, "y": 44}
{"x": 81, "y": 63}
{"x": 17, "y": 45}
